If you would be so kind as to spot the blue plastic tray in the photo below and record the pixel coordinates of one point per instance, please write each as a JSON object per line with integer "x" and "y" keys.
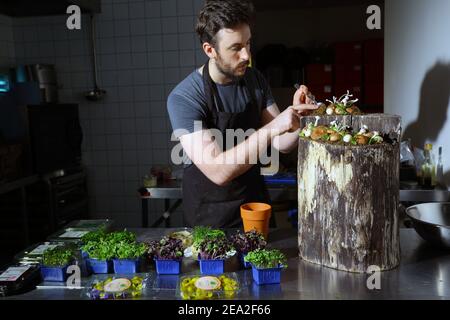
{"x": 168, "y": 266}
{"x": 126, "y": 266}
{"x": 246, "y": 265}
{"x": 98, "y": 266}
{"x": 266, "y": 276}
{"x": 212, "y": 266}
{"x": 281, "y": 178}
{"x": 54, "y": 274}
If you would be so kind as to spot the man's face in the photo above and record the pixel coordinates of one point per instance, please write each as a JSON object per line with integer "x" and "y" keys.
{"x": 233, "y": 50}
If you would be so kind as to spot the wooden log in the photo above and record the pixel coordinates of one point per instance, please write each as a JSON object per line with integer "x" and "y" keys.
{"x": 348, "y": 198}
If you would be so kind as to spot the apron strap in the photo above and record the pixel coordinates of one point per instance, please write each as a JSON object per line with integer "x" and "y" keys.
{"x": 212, "y": 94}
{"x": 250, "y": 84}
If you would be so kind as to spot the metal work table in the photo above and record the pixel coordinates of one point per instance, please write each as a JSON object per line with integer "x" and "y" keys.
{"x": 21, "y": 185}
{"x": 172, "y": 190}
{"x": 424, "y": 273}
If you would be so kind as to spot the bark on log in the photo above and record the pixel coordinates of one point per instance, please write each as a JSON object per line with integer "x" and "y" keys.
{"x": 348, "y": 198}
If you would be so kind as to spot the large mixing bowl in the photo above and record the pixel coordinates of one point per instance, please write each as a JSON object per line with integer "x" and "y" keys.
{"x": 432, "y": 222}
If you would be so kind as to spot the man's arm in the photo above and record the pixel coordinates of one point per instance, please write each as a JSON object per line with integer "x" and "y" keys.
{"x": 287, "y": 142}
{"x": 221, "y": 167}
{"x": 284, "y": 143}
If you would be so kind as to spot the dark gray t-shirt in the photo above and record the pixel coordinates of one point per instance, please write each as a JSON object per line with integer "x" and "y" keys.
{"x": 187, "y": 103}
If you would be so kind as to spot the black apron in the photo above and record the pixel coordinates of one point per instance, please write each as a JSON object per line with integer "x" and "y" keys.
{"x": 206, "y": 203}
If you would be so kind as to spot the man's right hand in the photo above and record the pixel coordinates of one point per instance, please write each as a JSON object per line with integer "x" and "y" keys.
{"x": 289, "y": 119}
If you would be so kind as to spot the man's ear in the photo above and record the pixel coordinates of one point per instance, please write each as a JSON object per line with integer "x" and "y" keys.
{"x": 209, "y": 50}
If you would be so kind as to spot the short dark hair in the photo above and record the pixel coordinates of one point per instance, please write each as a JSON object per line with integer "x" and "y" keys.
{"x": 221, "y": 14}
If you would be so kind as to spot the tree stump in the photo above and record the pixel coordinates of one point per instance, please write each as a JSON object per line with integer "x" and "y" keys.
{"x": 348, "y": 198}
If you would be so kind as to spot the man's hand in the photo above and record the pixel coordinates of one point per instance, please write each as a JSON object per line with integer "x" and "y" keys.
{"x": 302, "y": 96}
{"x": 289, "y": 119}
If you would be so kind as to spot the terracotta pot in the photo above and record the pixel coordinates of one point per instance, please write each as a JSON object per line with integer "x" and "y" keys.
{"x": 256, "y": 216}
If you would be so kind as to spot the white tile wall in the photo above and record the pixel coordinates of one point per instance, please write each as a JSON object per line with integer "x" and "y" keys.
{"x": 7, "y": 48}
{"x": 145, "y": 47}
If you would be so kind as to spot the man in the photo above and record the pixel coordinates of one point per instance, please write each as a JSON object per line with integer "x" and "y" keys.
{"x": 224, "y": 94}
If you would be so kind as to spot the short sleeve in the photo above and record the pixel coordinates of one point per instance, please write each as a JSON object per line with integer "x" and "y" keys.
{"x": 185, "y": 113}
{"x": 266, "y": 92}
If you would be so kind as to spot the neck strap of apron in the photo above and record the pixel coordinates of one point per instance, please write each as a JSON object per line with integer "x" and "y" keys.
{"x": 211, "y": 92}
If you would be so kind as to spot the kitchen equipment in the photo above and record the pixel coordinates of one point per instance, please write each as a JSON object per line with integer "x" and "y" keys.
{"x": 55, "y": 137}
{"x": 95, "y": 94}
{"x": 432, "y": 222}
{"x": 45, "y": 76}
{"x": 4, "y": 82}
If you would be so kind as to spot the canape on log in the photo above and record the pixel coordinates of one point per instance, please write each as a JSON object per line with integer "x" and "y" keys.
{"x": 348, "y": 198}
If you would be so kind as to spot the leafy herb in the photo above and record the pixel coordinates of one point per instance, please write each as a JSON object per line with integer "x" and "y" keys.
{"x": 375, "y": 139}
{"x": 249, "y": 241}
{"x": 325, "y": 137}
{"x": 121, "y": 236}
{"x": 125, "y": 250}
{"x": 94, "y": 236}
{"x": 213, "y": 248}
{"x": 100, "y": 250}
{"x": 342, "y": 109}
{"x": 201, "y": 232}
{"x": 168, "y": 248}
{"x": 57, "y": 257}
{"x": 264, "y": 259}
{"x": 121, "y": 244}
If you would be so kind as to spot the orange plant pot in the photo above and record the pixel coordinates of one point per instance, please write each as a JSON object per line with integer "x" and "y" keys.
{"x": 256, "y": 216}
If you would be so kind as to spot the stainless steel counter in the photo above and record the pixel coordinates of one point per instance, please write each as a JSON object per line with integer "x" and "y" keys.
{"x": 424, "y": 273}
{"x": 172, "y": 190}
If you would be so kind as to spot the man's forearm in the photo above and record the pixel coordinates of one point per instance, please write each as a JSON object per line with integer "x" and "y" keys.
{"x": 236, "y": 161}
{"x": 286, "y": 142}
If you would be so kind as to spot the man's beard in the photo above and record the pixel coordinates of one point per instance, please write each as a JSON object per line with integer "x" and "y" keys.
{"x": 228, "y": 70}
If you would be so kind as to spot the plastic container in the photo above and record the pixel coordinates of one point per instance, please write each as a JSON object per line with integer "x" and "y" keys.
{"x": 84, "y": 255}
{"x": 212, "y": 266}
{"x": 245, "y": 264}
{"x": 208, "y": 287}
{"x": 99, "y": 266}
{"x": 266, "y": 276}
{"x": 54, "y": 274}
{"x": 126, "y": 266}
{"x": 168, "y": 266}
{"x": 115, "y": 287}
{"x": 33, "y": 254}
{"x": 166, "y": 282}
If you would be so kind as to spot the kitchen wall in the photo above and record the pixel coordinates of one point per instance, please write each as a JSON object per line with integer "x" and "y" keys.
{"x": 417, "y": 70}
{"x": 6, "y": 42}
{"x": 144, "y": 49}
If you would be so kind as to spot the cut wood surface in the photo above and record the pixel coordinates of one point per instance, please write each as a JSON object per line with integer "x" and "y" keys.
{"x": 348, "y": 198}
